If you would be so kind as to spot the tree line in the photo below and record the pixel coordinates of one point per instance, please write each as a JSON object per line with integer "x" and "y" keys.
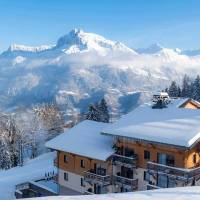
{"x": 190, "y": 87}
{"x": 23, "y": 134}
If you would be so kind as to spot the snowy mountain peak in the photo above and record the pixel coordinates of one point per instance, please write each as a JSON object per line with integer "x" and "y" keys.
{"x": 23, "y": 48}
{"x": 77, "y": 41}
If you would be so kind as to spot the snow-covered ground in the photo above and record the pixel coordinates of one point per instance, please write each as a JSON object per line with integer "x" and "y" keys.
{"x": 33, "y": 170}
{"x": 186, "y": 193}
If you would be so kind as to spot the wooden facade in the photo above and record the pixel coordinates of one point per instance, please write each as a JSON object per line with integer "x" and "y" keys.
{"x": 190, "y": 104}
{"x": 74, "y": 163}
{"x": 184, "y": 158}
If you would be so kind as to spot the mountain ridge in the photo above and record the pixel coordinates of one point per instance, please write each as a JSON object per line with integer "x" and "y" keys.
{"x": 83, "y": 67}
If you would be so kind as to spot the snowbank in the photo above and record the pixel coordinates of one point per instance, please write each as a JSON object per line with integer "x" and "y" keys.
{"x": 186, "y": 193}
{"x": 32, "y": 170}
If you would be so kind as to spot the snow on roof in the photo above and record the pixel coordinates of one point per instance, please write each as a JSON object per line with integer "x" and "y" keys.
{"x": 84, "y": 139}
{"x": 172, "y": 125}
{"x": 32, "y": 170}
{"x": 180, "y": 193}
{"x": 161, "y": 94}
{"x": 177, "y": 102}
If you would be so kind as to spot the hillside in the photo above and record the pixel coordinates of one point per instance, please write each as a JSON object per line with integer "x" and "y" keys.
{"x": 83, "y": 67}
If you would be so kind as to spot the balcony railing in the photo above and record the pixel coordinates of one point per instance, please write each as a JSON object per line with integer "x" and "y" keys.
{"x": 126, "y": 161}
{"x": 173, "y": 172}
{"x": 92, "y": 176}
{"x": 152, "y": 187}
{"x": 120, "y": 180}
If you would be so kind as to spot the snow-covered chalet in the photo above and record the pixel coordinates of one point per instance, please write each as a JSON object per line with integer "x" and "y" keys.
{"x": 157, "y": 145}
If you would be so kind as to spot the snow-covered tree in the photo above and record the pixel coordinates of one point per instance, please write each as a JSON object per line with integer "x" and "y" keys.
{"x": 93, "y": 113}
{"x": 98, "y": 112}
{"x": 173, "y": 90}
{"x": 196, "y": 89}
{"x": 51, "y": 118}
{"x": 103, "y": 108}
{"x": 186, "y": 87}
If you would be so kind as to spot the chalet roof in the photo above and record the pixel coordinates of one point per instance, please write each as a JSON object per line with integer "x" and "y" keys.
{"x": 84, "y": 139}
{"x": 172, "y": 125}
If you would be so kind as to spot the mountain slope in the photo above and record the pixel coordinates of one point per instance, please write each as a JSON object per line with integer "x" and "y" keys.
{"x": 83, "y": 67}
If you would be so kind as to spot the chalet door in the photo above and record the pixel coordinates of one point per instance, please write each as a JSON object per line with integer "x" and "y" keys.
{"x": 162, "y": 181}
{"x": 128, "y": 152}
{"x": 171, "y": 183}
{"x": 126, "y": 172}
{"x": 161, "y": 158}
{"x": 97, "y": 189}
{"x": 165, "y": 159}
{"x": 95, "y": 167}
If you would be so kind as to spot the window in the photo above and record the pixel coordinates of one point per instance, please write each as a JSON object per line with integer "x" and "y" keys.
{"x": 65, "y": 176}
{"x": 146, "y": 155}
{"x": 165, "y": 159}
{"x": 170, "y": 160}
{"x": 65, "y": 159}
{"x": 128, "y": 152}
{"x": 146, "y": 176}
{"x": 82, "y": 163}
{"x": 194, "y": 158}
{"x": 82, "y": 182}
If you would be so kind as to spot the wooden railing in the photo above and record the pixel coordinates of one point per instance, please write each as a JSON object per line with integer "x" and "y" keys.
{"x": 127, "y": 161}
{"x": 126, "y": 181}
{"x": 91, "y": 176}
{"x": 180, "y": 173}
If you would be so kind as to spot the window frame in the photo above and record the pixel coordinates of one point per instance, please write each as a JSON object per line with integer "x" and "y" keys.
{"x": 82, "y": 182}
{"x": 82, "y": 163}
{"x": 66, "y": 176}
{"x": 147, "y": 155}
{"x": 66, "y": 159}
{"x": 194, "y": 158}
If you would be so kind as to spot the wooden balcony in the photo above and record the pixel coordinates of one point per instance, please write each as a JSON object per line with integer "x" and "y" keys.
{"x": 92, "y": 177}
{"x": 123, "y": 181}
{"x": 126, "y": 161}
{"x": 173, "y": 172}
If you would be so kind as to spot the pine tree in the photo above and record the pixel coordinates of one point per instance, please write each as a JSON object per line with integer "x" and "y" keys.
{"x": 93, "y": 113}
{"x": 186, "y": 87}
{"x": 173, "y": 90}
{"x": 98, "y": 112}
{"x": 179, "y": 91}
{"x": 103, "y": 108}
{"x": 196, "y": 89}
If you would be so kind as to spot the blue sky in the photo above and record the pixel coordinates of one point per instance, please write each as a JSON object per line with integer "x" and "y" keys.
{"x": 137, "y": 23}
